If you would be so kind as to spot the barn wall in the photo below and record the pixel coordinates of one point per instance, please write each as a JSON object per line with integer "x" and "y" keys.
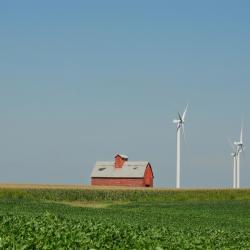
{"x": 148, "y": 177}
{"x": 117, "y": 182}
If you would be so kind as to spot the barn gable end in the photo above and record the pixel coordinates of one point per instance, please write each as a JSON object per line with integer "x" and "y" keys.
{"x": 148, "y": 176}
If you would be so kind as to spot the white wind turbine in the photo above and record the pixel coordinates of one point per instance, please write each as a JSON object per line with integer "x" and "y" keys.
{"x": 240, "y": 148}
{"x": 180, "y": 126}
{"x": 234, "y": 155}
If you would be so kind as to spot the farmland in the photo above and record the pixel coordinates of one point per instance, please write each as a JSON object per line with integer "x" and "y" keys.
{"x": 86, "y": 218}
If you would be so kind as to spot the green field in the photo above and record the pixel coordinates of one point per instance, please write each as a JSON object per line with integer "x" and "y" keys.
{"x": 56, "y": 218}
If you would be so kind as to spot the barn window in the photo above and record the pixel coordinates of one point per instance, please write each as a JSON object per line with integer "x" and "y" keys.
{"x": 101, "y": 169}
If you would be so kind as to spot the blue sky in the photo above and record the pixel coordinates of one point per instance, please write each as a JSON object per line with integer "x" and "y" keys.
{"x": 83, "y": 80}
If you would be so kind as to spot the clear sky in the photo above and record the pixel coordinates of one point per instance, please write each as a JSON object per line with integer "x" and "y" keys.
{"x": 83, "y": 80}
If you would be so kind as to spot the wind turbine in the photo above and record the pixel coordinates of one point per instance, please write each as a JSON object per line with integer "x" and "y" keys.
{"x": 234, "y": 155}
{"x": 240, "y": 148}
{"x": 180, "y": 126}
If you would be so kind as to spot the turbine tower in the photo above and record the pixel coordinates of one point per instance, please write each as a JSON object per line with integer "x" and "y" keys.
{"x": 240, "y": 148}
{"x": 180, "y": 126}
{"x": 234, "y": 155}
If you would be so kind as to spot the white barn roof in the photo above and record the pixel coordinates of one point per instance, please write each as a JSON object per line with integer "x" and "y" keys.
{"x": 128, "y": 170}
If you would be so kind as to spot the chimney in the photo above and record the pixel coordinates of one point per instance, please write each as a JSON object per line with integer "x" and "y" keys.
{"x": 120, "y": 160}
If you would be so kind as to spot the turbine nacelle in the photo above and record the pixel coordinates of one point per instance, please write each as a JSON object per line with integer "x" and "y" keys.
{"x": 176, "y": 121}
{"x": 233, "y": 155}
{"x": 181, "y": 119}
{"x": 240, "y": 146}
{"x": 236, "y": 143}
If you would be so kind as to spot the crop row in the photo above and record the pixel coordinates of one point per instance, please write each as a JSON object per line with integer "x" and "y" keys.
{"x": 48, "y": 231}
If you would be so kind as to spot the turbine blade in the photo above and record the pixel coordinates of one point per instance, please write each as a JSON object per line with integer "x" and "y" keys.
{"x": 183, "y": 132}
{"x": 180, "y": 118}
{"x": 243, "y": 152}
{"x": 178, "y": 126}
{"x": 238, "y": 150}
{"x": 241, "y": 134}
{"x": 184, "y": 114}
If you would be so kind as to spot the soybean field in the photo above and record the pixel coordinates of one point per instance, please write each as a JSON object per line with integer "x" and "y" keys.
{"x": 85, "y": 218}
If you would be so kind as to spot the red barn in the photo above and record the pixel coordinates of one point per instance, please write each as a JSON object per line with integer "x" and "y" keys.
{"x": 122, "y": 172}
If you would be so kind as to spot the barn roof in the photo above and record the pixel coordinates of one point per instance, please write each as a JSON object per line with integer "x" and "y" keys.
{"x": 129, "y": 170}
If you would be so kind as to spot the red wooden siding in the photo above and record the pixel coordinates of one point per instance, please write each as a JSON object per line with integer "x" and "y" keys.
{"x": 148, "y": 177}
{"x": 117, "y": 182}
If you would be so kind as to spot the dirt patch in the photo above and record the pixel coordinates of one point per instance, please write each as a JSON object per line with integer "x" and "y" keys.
{"x": 91, "y": 204}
